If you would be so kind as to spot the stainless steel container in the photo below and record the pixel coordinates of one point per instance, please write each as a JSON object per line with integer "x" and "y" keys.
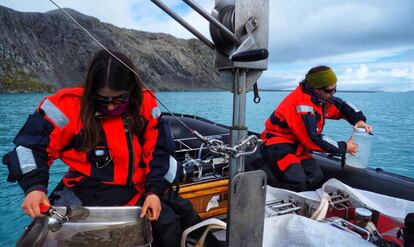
{"x": 104, "y": 226}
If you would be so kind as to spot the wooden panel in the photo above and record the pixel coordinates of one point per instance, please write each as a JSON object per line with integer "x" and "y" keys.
{"x": 213, "y": 212}
{"x": 201, "y": 194}
{"x": 202, "y": 186}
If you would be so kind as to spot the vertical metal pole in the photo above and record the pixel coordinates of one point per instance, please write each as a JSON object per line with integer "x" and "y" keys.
{"x": 238, "y": 132}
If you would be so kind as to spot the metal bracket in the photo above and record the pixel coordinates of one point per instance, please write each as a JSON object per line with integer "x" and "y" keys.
{"x": 249, "y": 42}
{"x": 246, "y": 215}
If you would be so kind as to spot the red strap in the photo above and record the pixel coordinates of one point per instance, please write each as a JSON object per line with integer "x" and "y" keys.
{"x": 71, "y": 182}
{"x": 134, "y": 200}
{"x": 286, "y": 161}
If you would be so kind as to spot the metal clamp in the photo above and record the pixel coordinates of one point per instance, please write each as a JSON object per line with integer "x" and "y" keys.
{"x": 56, "y": 220}
{"x": 348, "y": 226}
{"x": 218, "y": 147}
{"x": 250, "y": 141}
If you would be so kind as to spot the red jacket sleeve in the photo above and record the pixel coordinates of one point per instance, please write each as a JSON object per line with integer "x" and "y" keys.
{"x": 339, "y": 109}
{"x": 158, "y": 148}
{"x": 39, "y": 143}
{"x": 302, "y": 122}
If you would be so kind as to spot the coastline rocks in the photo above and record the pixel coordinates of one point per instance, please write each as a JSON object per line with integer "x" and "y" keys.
{"x": 50, "y": 49}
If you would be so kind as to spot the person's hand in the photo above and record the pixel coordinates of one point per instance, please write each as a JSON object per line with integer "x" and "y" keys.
{"x": 151, "y": 207}
{"x": 32, "y": 201}
{"x": 362, "y": 124}
{"x": 351, "y": 147}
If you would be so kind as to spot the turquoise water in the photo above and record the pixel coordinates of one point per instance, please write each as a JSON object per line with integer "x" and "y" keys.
{"x": 389, "y": 113}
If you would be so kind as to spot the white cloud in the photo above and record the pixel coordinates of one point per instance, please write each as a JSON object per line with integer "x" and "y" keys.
{"x": 119, "y": 14}
{"x": 362, "y": 72}
{"x": 141, "y": 15}
{"x": 395, "y": 76}
{"x": 161, "y": 22}
{"x": 411, "y": 75}
{"x": 372, "y": 73}
{"x": 363, "y": 56}
{"x": 301, "y": 31}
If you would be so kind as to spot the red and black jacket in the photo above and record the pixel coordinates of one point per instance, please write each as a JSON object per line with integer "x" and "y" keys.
{"x": 121, "y": 159}
{"x": 300, "y": 118}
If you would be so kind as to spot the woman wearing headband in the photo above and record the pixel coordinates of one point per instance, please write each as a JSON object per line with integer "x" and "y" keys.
{"x": 294, "y": 129}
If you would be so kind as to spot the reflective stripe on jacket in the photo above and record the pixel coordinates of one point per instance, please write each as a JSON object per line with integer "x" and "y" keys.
{"x": 299, "y": 119}
{"x": 121, "y": 158}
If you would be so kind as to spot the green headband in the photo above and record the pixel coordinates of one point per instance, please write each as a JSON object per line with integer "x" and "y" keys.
{"x": 321, "y": 79}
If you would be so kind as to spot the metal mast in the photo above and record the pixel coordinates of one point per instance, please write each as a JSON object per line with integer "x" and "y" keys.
{"x": 239, "y": 30}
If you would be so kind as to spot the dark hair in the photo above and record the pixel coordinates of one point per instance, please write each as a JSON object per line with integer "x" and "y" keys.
{"x": 317, "y": 69}
{"x": 313, "y": 71}
{"x": 106, "y": 71}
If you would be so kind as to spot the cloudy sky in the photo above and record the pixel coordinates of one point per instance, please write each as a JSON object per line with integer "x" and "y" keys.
{"x": 369, "y": 44}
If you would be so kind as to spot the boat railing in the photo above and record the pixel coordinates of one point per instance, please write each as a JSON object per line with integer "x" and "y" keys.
{"x": 183, "y": 144}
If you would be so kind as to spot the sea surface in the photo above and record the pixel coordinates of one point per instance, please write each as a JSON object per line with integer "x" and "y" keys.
{"x": 390, "y": 114}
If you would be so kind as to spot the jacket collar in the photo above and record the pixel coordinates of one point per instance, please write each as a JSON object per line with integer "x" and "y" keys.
{"x": 315, "y": 97}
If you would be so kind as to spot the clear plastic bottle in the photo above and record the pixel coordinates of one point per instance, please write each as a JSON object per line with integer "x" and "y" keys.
{"x": 363, "y": 139}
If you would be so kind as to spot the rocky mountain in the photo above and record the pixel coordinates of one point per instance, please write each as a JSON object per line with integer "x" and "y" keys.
{"x": 50, "y": 51}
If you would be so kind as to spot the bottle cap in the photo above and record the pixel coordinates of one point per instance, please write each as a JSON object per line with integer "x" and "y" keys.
{"x": 363, "y": 212}
{"x": 361, "y": 130}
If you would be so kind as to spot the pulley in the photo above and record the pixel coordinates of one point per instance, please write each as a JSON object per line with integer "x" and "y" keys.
{"x": 224, "y": 12}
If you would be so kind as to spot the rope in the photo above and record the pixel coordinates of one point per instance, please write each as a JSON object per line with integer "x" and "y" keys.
{"x": 133, "y": 71}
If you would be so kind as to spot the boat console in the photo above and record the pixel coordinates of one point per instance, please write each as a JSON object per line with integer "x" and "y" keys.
{"x": 203, "y": 175}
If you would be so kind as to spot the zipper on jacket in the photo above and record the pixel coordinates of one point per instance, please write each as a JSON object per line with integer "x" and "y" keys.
{"x": 323, "y": 118}
{"x": 130, "y": 151}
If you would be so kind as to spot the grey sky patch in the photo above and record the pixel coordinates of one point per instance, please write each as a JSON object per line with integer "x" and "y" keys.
{"x": 305, "y": 31}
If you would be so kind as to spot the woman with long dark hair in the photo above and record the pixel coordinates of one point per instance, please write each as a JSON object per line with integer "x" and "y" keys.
{"x": 118, "y": 150}
{"x": 294, "y": 129}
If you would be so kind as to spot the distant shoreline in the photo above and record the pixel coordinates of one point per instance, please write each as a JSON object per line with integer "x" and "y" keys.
{"x": 158, "y": 90}
{"x": 202, "y": 90}
{"x": 341, "y": 91}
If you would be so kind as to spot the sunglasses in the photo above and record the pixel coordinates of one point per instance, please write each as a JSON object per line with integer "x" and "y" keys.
{"x": 329, "y": 91}
{"x": 117, "y": 100}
